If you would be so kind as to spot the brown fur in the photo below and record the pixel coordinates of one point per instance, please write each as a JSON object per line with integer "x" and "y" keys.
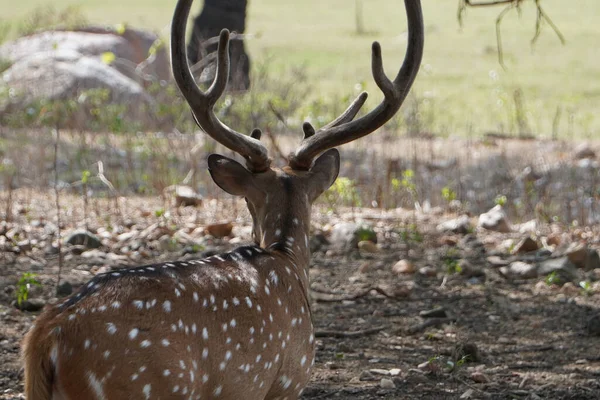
{"x": 36, "y": 348}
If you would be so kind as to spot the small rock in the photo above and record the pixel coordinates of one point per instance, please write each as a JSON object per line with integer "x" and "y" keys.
{"x": 494, "y": 220}
{"x": 379, "y": 371}
{"x": 367, "y": 246}
{"x": 497, "y": 261}
{"x": 347, "y": 235}
{"x": 186, "y": 196}
{"x": 570, "y": 289}
{"x": 583, "y": 151}
{"x": 428, "y": 271}
{"x": 219, "y": 230}
{"x": 460, "y": 225}
{"x": 567, "y": 272}
{"x": 519, "y": 270}
{"x": 468, "y": 394}
{"x": 403, "y": 267}
{"x": 526, "y": 245}
{"x": 429, "y": 366}
{"x": 479, "y": 377}
{"x": 582, "y": 256}
{"x": 64, "y": 289}
{"x": 395, "y": 371}
{"x": 448, "y": 240}
{"x": 387, "y": 383}
{"x": 332, "y": 365}
{"x": 83, "y": 238}
{"x": 528, "y": 227}
{"x": 32, "y": 305}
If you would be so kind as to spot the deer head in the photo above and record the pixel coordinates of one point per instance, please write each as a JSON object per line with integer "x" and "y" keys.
{"x": 281, "y": 193}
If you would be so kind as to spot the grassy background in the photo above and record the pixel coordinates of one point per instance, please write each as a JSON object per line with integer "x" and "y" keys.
{"x": 461, "y": 89}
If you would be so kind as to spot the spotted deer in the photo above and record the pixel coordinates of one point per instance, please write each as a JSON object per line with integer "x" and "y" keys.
{"x": 232, "y": 326}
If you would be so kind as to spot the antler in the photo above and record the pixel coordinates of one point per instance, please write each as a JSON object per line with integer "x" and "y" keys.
{"x": 202, "y": 103}
{"x": 343, "y": 129}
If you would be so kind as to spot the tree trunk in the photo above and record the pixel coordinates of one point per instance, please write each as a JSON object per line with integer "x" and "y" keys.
{"x": 215, "y": 16}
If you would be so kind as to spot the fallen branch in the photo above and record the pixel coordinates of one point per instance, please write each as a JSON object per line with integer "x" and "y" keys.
{"x": 355, "y": 334}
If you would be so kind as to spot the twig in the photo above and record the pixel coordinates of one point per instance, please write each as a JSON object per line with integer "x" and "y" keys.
{"x": 510, "y": 4}
{"x": 355, "y": 334}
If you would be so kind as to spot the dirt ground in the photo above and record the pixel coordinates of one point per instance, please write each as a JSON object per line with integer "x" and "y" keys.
{"x": 496, "y": 339}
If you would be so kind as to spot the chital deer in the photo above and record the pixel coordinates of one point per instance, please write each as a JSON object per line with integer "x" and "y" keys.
{"x": 234, "y": 326}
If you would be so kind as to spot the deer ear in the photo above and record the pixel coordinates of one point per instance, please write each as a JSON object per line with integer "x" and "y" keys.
{"x": 230, "y": 175}
{"x": 324, "y": 172}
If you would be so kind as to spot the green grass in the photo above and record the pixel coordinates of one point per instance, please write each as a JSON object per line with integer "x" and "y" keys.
{"x": 457, "y": 81}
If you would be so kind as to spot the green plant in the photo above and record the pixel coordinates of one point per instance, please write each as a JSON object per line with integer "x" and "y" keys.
{"x": 448, "y": 194}
{"x": 24, "y": 285}
{"x": 553, "y": 278}
{"x": 586, "y": 288}
{"x": 343, "y": 190}
{"x": 500, "y": 200}
{"x": 411, "y": 233}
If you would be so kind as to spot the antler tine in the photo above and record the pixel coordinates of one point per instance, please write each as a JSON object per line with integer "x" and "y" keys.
{"x": 338, "y": 132}
{"x": 202, "y": 104}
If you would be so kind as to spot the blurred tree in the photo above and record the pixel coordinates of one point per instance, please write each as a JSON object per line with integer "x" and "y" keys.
{"x": 215, "y": 16}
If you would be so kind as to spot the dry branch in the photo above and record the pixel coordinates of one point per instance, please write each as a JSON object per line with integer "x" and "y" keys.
{"x": 510, "y": 5}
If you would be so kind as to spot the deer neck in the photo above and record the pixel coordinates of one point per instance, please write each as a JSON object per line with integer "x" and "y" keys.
{"x": 286, "y": 231}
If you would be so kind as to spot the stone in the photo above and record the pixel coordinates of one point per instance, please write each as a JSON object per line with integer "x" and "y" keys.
{"x": 565, "y": 269}
{"x": 582, "y": 151}
{"x": 497, "y": 261}
{"x": 64, "y": 289}
{"x": 479, "y": 377}
{"x": 528, "y": 227}
{"x": 346, "y": 235}
{"x": 403, "y": 267}
{"x": 219, "y": 230}
{"x": 581, "y": 256}
{"x": 186, "y": 196}
{"x": 367, "y": 246}
{"x": 461, "y": 225}
{"x": 448, "y": 240}
{"x": 387, "y": 383}
{"x": 494, "y": 220}
{"x": 525, "y": 245}
{"x": 519, "y": 270}
{"x": 83, "y": 238}
{"x": 75, "y": 61}
{"x": 32, "y": 305}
